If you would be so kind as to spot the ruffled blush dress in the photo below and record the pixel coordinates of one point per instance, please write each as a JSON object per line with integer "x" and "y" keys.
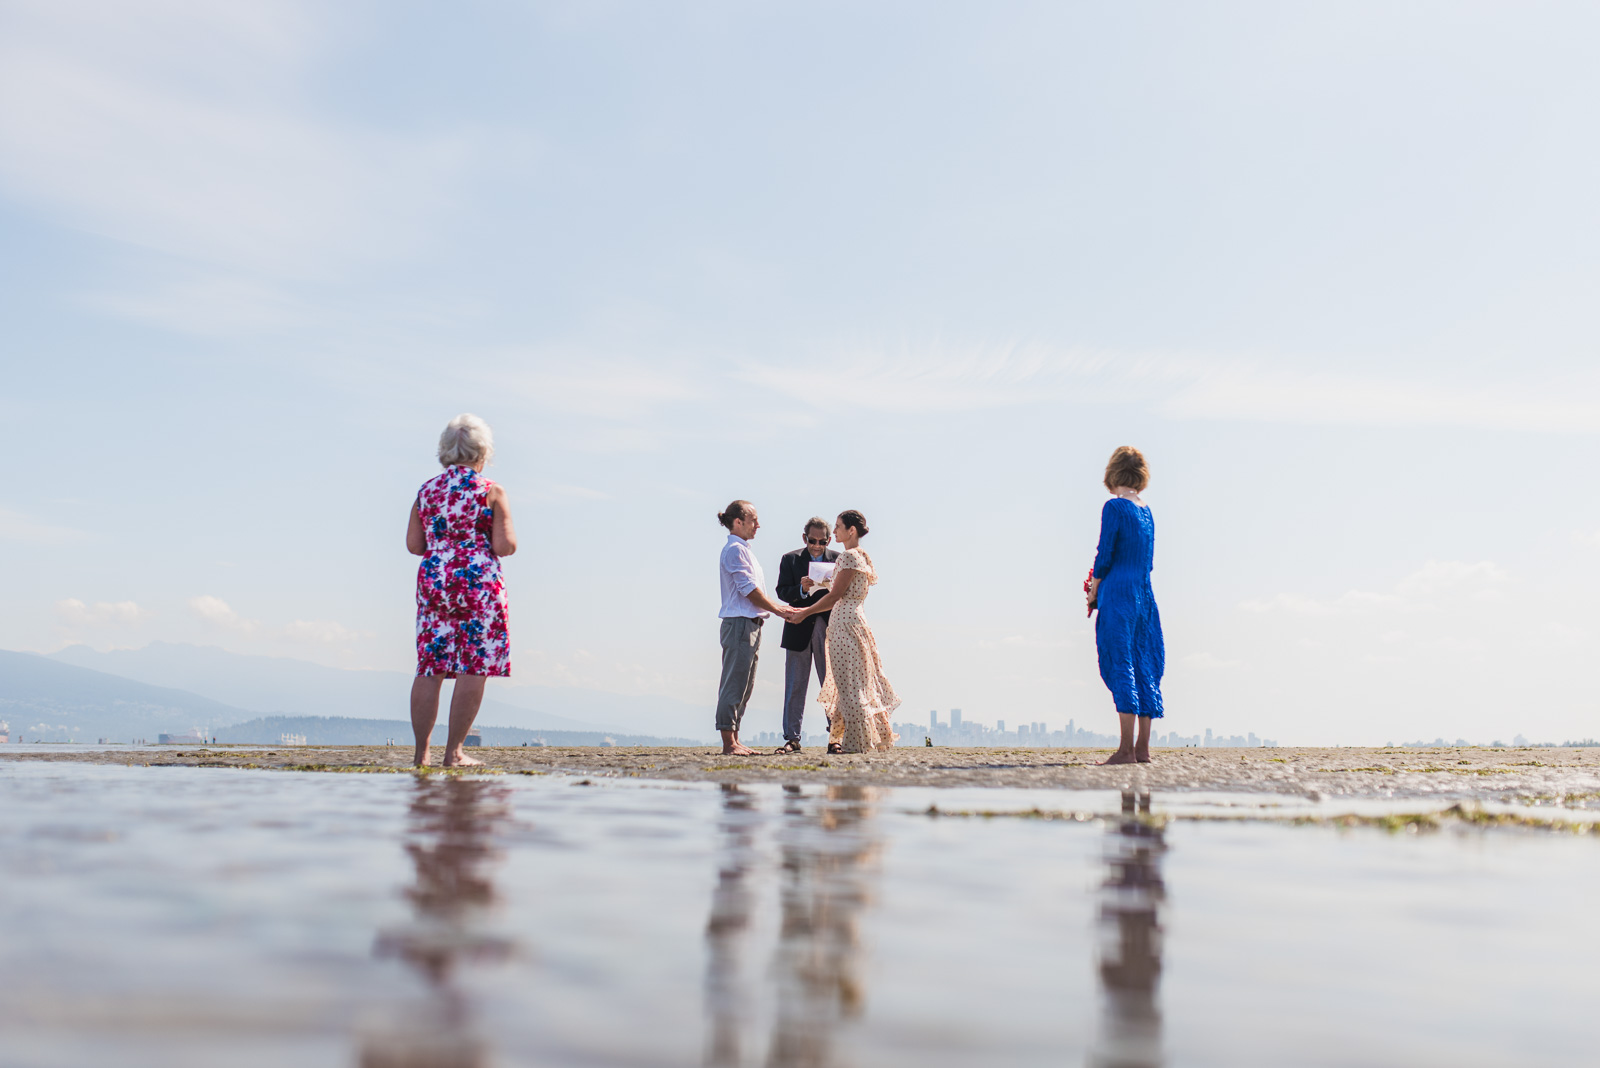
{"x": 856, "y": 694}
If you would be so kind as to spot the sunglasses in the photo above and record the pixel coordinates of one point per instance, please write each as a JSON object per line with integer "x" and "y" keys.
{"x": 816, "y": 541}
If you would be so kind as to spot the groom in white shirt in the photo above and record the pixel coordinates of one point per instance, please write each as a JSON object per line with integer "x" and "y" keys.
{"x": 745, "y": 606}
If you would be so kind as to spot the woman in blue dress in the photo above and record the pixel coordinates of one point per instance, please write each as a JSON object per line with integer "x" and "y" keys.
{"x": 1127, "y": 631}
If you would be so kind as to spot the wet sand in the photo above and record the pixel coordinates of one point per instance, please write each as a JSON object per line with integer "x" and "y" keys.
{"x": 1569, "y": 774}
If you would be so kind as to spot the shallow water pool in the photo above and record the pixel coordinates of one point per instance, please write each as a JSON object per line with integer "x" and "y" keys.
{"x": 181, "y": 916}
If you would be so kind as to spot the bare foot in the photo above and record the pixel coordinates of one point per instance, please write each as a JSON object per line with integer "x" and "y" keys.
{"x": 1143, "y": 758}
{"x": 461, "y": 760}
{"x": 421, "y": 758}
{"x": 1119, "y": 757}
{"x": 737, "y": 749}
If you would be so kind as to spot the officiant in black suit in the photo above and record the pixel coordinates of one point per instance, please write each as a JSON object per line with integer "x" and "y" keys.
{"x": 806, "y": 642}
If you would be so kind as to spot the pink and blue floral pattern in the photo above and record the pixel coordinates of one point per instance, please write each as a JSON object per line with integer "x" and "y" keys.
{"x": 461, "y": 597}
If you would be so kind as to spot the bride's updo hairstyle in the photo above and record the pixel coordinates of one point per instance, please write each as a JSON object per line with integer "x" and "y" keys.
{"x": 1127, "y": 468}
{"x": 736, "y": 510}
{"x": 852, "y": 518}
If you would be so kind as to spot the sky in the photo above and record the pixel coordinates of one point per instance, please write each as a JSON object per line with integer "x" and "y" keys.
{"x": 1331, "y": 266}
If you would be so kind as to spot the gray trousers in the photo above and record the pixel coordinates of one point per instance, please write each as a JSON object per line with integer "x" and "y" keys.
{"x": 797, "y": 677}
{"x": 741, "y": 646}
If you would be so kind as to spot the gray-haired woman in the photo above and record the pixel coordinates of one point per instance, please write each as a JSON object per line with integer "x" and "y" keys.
{"x": 461, "y": 527}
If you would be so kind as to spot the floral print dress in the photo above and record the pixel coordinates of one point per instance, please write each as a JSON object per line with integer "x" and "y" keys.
{"x": 461, "y": 597}
{"x": 856, "y": 694}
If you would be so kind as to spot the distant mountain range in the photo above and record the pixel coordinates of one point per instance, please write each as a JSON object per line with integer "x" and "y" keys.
{"x": 84, "y": 695}
{"x": 44, "y": 700}
{"x": 268, "y": 685}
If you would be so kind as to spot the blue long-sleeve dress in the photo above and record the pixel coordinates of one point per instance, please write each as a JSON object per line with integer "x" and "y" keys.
{"x": 1128, "y": 629}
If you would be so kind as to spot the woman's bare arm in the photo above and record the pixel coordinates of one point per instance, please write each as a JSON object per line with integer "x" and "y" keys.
{"x": 416, "y": 538}
{"x": 502, "y": 535}
{"x": 841, "y": 586}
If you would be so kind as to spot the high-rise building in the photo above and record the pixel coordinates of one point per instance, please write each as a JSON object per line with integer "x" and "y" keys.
{"x": 955, "y": 719}
{"x": 1000, "y": 725}
{"x": 933, "y": 720}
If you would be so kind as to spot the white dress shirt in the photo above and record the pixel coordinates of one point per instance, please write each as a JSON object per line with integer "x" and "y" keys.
{"x": 740, "y": 574}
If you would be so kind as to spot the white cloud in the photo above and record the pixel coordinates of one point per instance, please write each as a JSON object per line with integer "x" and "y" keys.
{"x": 220, "y": 613}
{"x": 1293, "y": 396}
{"x": 323, "y": 632}
{"x": 217, "y": 611}
{"x": 16, "y": 527}
{"x": 205, "y": 306}
{"x": 574, "y": 383}
{"x": 76, "y": 613}
{"x": 1287, "y": 388}
{"x": 937, "y": 377}
{"x": 1429, "y": 589}
{"x": 584, "y": 493}
{"x": 185, "y": 127}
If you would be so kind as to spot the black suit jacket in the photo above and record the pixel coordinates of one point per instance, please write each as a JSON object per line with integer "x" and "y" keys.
{"x": 791, "y": 569}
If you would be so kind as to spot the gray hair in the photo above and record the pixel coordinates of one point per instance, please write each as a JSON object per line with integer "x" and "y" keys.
{"x": 465, "y": 442}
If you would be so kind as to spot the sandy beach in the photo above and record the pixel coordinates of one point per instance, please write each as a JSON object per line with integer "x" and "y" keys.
{"x": 1448, "y": 772}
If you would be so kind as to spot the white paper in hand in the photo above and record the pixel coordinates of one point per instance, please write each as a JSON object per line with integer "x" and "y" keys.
{"x": 822, "y": 572}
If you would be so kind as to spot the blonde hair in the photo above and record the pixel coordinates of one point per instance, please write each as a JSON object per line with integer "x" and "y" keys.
{"x": 466, "y": 442}
{"x": 1127, "y": 468}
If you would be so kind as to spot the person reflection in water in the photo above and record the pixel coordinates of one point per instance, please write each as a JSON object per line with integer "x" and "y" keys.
{"x": 453, "y": 823}
{"x": 731, "y": 905}
{"x": 827, "y": 854}
{"x": 1130, "y": 953}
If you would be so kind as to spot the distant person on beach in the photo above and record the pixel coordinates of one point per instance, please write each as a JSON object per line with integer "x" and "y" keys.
{"x": 856, "y": 694}
{"x": 745, "y": 605}
{"x": 1128, "y": 629}
{"x": 461, "y": 527}
{"x": 804, "y": 642}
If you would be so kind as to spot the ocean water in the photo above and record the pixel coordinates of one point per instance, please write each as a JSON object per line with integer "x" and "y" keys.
{"x": 184, "y": 916}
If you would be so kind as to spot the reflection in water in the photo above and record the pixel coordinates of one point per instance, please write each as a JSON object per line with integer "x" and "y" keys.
{"x": 451, "y": 842}
{"x": 828, "y": 850}
{"x": 1130, "y": 944}
{"x": 827, "y": 846}
{"x": 731, "y": 904}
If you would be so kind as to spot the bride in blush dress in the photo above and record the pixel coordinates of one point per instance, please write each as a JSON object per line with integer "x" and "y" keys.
{"x": 855, "y": 694}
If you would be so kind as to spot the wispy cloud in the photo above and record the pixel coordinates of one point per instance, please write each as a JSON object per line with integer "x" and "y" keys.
{"x": 322, "y": 632}
{"x": 1259, "y": 394}
{"x": 220, "y": 613}
{"x": 24, "y": 529}
{"x": 937, "y": 377}
{"x": 214, "y": 305}
{"x": 75, "y": 613}
{"x": 1288, "y": 388}
{"x": 216, "y": 611}
{"x": 188, "y": 128}
{"x": 574, "y": 383}
{"x": 1431, "y": 588}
